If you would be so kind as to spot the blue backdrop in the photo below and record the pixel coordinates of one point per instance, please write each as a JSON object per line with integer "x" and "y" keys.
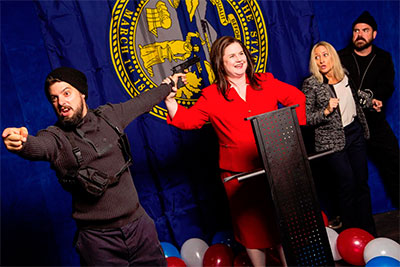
{"x": 175, "y": 172}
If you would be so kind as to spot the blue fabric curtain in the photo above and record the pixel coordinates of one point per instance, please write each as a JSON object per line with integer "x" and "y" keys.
{"x": 175, "y": 172}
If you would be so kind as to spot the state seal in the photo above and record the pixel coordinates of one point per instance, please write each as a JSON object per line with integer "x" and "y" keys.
{"x": 150, "y": 38}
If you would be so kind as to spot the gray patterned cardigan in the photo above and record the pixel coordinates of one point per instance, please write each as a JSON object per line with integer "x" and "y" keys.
{"x": 329, "y": 131}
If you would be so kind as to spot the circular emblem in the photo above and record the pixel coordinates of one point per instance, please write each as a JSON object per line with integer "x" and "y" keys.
{"x": 151, "y": 39}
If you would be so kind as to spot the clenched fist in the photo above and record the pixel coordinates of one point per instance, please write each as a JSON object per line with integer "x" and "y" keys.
{"x": 14, "y": 138}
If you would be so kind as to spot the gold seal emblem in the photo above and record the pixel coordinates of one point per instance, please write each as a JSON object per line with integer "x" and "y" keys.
{"x": 149, "y": 38}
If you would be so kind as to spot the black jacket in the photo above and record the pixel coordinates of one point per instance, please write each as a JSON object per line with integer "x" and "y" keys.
{"x": 379, "y": 76}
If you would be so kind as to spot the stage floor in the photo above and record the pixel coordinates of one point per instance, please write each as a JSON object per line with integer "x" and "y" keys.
{"x": 388, "y": 225}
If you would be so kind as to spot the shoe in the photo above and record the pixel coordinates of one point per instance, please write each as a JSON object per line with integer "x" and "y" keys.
{"x": 335, "y": 223}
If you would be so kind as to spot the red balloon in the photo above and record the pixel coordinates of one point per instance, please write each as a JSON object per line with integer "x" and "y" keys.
{"x": 351, "y": 244}
{"x": 326, "y": 222}
{"x": 175, "y": 262}
{"x": 242, "y": 259}
{"x": 218, "y": 255}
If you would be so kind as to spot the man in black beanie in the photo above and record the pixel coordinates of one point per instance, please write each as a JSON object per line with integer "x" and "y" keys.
{"x": 372, "y": 70}
{"x": 90, "y": 154}
{"x": 77, "y": 80}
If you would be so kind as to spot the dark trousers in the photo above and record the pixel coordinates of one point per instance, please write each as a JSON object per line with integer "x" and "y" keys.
{"x": 326, "y": 189}
{"x": 135, "y": 244}
{"x": 383, "y": 150}
{"x": 350, "y": 171}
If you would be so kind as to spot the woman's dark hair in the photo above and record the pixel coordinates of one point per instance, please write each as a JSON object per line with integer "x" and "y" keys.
{"x": 217, "y": 64}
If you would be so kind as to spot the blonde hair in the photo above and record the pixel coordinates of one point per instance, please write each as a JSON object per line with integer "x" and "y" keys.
{"x": 337, "y": 68}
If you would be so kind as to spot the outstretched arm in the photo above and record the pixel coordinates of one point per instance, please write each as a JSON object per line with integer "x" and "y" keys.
{"x": 126, "y": 112}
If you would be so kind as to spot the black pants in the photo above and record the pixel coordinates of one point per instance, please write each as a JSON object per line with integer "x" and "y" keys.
{"x": 135, "y": 244}
{"x": 350, "y": 177}
{"x": 383, "y": 151}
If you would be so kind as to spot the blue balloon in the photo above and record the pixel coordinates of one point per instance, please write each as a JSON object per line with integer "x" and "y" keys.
{"x": 170, "y": 250}
{"x": 227, "y": 238}
{"x": 383, "y": 261}
{"x": 223, "y": 237}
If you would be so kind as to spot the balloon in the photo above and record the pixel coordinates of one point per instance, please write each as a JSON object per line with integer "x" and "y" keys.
{"x": 382, "y": 246}
{"x": 192, "y": 251}
{"x": 332, "y": 236}
{"x": 351, "y": 244}
{"x": 223, "y": 237}
{"x": 218, "y": 255}
{"x": 170, "y": 250}
{"x": 325, "y": 218}
{"x": 175, "y": 262}
{"x": 242, "y": 259}
{"x": 227, "y": 238}
{"x": 383, "y": 261}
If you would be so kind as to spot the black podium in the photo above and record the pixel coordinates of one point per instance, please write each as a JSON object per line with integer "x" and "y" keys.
{"x": 281, "y": 147}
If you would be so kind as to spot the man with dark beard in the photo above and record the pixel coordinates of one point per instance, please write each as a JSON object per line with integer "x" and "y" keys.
{"x": 372, "y": 70}
{"x": 90, "y": 154}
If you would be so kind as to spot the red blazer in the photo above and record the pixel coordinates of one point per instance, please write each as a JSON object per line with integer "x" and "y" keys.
{"x": 238, "y": 150}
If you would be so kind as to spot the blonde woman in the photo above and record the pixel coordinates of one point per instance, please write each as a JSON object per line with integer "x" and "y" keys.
{"x": 332, "y": 107}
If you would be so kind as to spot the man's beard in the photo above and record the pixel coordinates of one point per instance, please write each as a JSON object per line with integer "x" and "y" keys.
{"x": 364, "y": 46}
{"x": 75, "y": 119}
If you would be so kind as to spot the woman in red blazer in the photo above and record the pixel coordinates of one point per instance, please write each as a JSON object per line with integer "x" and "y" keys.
{"x": 238, "y": 93}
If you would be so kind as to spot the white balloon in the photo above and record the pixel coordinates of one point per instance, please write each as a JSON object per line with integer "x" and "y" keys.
{"x": 192, "y": 252}
{"x": 332, "y": 236}
{"x": 381, "y": 246}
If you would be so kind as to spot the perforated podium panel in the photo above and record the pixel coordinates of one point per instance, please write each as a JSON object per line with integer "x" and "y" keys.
{"x": 280, "y": 143}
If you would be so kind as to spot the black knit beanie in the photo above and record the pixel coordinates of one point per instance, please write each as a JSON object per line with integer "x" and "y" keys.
{"x": 366, "y": 18}
{"x": 70, "y": 75}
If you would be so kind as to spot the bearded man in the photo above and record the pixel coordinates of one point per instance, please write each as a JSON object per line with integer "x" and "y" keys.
{"x": 91, "y": 156}
{"x": 372, "y": 70}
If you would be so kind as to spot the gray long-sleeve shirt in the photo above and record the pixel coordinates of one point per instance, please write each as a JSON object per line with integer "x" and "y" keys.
{"x": 100, "y": 149}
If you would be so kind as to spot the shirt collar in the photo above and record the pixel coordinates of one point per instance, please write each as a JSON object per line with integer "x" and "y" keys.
{"x": 231, "y": 85}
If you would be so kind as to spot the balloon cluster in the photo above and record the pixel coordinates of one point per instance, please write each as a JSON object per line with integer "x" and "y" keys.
{"x": 353, "y": 245}
{"x": 223, "y": 251}
{"x": 358, "y": 247}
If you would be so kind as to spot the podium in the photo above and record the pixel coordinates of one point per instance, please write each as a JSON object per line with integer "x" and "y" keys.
{"x": 286, "y": 167}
